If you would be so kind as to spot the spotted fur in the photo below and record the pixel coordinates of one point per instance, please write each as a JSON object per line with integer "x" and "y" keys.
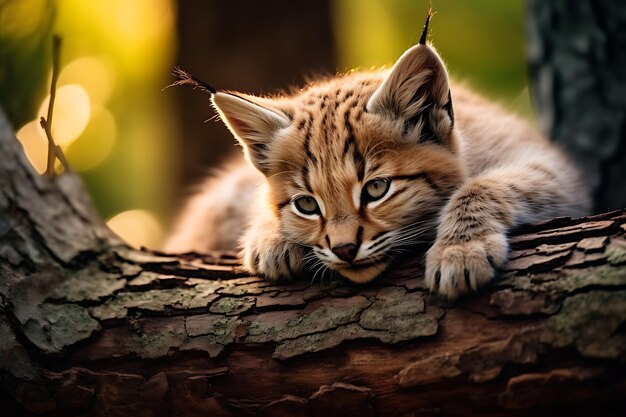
{"x": 459, "y": 170}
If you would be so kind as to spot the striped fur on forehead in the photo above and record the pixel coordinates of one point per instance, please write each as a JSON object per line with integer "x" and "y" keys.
{"x": 328, "y": 133}
{"x": 323, "y": 120}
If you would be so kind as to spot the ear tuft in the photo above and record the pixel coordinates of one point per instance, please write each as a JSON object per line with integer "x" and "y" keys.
{"x": 425, "y": 30}
{"x": 185, "y": 78}
{"x": 252, "y": 123}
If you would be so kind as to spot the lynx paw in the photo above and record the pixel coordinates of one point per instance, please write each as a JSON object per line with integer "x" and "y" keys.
{"x": 454, "y": 267}
{"x": 275, "y": 260}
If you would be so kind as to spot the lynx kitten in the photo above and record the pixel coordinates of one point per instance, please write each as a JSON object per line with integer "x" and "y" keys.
{"x": 349, "y": 172}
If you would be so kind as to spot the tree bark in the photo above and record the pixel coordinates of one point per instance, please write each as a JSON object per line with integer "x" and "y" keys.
{"x": 89, "y": 326}
{"x": 578, "y": 68}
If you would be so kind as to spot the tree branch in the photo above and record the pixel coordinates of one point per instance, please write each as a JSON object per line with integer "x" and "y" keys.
{"x": 89, "y": 326}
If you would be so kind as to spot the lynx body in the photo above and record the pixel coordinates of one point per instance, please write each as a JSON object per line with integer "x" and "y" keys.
{"x": 350, "y": 171}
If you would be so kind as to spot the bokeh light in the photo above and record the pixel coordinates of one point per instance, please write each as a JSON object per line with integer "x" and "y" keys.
{"x": 137, "y": 228}
{"x": 35, "y": 145}
{"x": 96, "y": 142}
{"x": 72, "y": 109}
{"x": 95, "y": 75}
{"x": 141, "y": 20}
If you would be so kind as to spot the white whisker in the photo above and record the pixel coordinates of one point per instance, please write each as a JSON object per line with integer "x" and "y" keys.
{"x": 281, "y": 173}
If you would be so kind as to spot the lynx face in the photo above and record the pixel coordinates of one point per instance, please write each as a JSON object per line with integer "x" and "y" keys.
{"x": 360, "y": 192}
{"x": 357, "y": 167}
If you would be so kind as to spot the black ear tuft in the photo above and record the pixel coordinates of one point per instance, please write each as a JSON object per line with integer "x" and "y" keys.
{"x": 425, "y": 30}
{"x": 184, "y": 78}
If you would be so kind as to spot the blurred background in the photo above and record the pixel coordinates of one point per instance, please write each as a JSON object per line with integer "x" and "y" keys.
{"x": 140, "y": 148}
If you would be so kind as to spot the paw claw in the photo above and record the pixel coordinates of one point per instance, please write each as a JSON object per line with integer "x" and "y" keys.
{"x": 464, "y": 266}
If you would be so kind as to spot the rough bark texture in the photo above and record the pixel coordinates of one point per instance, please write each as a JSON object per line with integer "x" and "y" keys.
{"x": 89, "y": 326}
{"x": 577, "y": 52}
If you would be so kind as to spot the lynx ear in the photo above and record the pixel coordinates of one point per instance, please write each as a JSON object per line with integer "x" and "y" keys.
{"x": 417, "y": 92}
{"x": 253, "y": 124}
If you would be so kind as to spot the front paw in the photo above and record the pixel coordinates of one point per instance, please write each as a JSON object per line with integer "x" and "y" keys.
{"x": 274, "y": 259}
{"x": 456, "y": 267}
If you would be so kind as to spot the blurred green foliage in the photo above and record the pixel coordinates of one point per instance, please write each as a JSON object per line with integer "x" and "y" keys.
{"x": 481, "y": 41}
{"x": 25, "y": 27}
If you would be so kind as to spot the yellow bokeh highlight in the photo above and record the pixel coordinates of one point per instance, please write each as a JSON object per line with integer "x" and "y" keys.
{"x": 141, "y": 20}
{"x": 91, "y": 73}
{"x": 136, "y": 35}
{"x": 96, "y": 142}
{"x": 33, "y": 139}
{"x": 72, "y": 109}
{"x": 137, "y": 228}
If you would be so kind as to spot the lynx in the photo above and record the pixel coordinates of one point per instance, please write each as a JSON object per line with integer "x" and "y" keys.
{"x": 349, "y": 172}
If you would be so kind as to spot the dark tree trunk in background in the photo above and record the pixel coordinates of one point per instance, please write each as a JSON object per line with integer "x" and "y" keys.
{"x": 256, "y": 47}
{"x": 578, "y": 66}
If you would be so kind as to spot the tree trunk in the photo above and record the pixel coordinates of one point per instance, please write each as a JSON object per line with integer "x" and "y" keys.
{"x": 577, "y": 55}
{"x": 89, "y": 326}
{"x": 233, "y": 45}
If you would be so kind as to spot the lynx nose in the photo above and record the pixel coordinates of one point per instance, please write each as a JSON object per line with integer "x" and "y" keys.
{"x": 346, "y": 252}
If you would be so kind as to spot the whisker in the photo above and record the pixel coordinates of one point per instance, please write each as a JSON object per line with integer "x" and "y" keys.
{"x": 280, "y": 173}
{"x": 378, "y": 144}
{"x": 291, "y": 163}
{"x": 321, "y": 267}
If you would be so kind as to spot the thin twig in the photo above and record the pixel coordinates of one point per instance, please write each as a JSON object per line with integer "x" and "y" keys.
{"x": 54, "y": 151}
{"x": 62, "y": 159}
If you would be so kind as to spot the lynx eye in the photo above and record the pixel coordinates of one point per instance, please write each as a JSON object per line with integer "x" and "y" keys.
{"x": 306, "y": 205}
{"x": 375, "y": 189}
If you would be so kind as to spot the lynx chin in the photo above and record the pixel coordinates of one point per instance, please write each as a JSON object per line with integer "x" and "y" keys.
{"x": 349, "y": 172}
